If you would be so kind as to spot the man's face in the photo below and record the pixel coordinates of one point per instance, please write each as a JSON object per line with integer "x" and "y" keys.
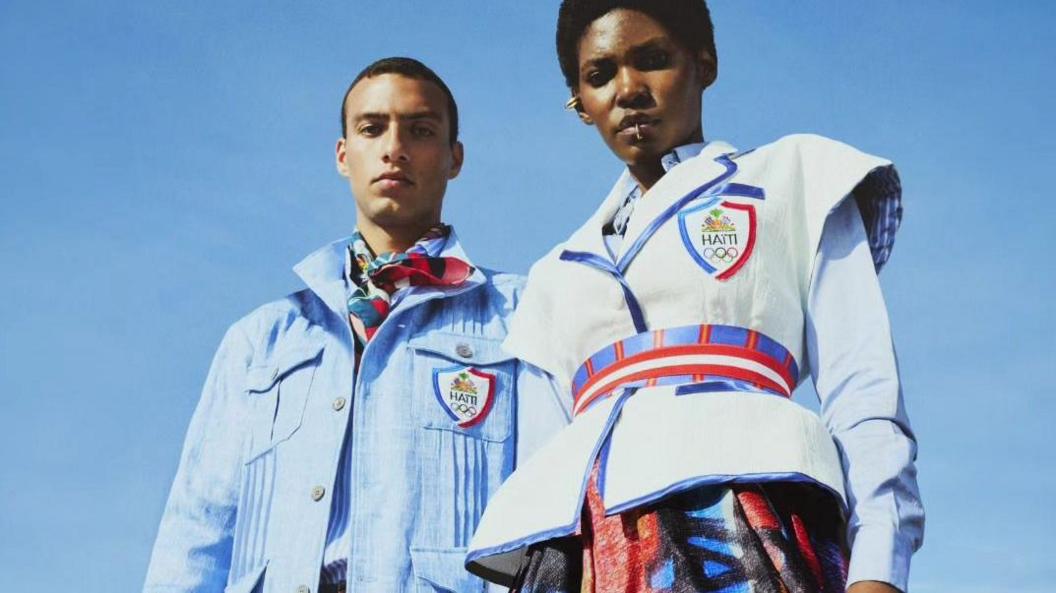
{"x": 632, "y": 71}
{"x": 397, "y": 154}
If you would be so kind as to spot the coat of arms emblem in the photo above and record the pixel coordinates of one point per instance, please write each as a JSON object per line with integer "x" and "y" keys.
{"x": 720, "y": 235}
{"x": 465, "y": 393}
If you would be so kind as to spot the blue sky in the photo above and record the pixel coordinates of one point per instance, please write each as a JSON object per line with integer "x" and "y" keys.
{"x": 165, "y": 163}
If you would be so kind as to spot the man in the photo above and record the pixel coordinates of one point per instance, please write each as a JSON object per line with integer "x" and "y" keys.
{"x": 349, "y": 435}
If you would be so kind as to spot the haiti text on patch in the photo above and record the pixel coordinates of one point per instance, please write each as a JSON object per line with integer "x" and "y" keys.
{"x": 720, "y": 235}
{"x": 465, "y": 393}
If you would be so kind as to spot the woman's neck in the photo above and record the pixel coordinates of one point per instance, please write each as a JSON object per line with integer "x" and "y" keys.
{"x": 650, "y": 170}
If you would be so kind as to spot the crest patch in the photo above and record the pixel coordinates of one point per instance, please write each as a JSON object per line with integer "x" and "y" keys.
{"x": 720, "y": 235}
{"x": 465, "y": 393}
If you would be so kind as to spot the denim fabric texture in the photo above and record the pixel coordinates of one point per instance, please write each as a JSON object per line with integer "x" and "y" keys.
{"x": 255, "y": 491}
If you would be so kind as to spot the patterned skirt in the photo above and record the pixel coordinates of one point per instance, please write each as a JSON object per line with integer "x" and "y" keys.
{"x": 753, "y": 538}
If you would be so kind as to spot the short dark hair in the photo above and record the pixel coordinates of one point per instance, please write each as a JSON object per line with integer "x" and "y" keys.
{"x": 688, "y": 21}
{"x": 410, "y": 68}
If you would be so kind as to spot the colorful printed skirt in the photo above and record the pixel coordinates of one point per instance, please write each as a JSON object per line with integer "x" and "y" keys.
{"x": 754, "y": 538}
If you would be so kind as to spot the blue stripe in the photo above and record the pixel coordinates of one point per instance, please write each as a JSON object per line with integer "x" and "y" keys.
{"x": 688, "y": 335}
{"x": 776, "y": 351}
{"x": 709, "y": 385}
{"x": 600, "y": 263}
{"x": 636, "y": 344}
{"x": 617, "y": 272}
{"x": 604, "y": 357}
{"x": 579, "y": 378}
{"x": 728, "y": 335}
{"x": 743, "y": 191}
{"x": 716, "y": 384}
{"x": 673, "y": 209}
{"x": 680, "y": 336}
{"x": 673, "y": 379}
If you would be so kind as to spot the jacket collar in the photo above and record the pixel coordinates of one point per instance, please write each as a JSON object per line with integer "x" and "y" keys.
{"x": 323, "y": 272}
{"x": 696, "y": 167}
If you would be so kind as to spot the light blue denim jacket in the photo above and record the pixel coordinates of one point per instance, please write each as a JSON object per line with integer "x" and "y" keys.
{"x": 252, "y": 498}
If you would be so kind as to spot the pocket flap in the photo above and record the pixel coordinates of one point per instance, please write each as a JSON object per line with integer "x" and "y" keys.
{"x": 247, "y": 582}
{"x": 261, "y": 378}
{"x": 461, "y": 348}
{"x": 444, "y": 569}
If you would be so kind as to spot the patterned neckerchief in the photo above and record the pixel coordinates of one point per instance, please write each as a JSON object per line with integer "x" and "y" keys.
{"x": 375, "y": 279}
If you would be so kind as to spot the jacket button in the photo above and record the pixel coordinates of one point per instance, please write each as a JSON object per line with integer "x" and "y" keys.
{"x": 464, "y": 350}
{"x": 303, "y": 589}
{"x": 339, "y": 404}
{"x": 318, "y": 493}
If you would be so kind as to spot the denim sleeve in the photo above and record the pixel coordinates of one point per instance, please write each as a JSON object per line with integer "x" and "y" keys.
{"x": 543, "y": 408}
{"x": 855, "y": 372}
{"x": 193, "y": 548}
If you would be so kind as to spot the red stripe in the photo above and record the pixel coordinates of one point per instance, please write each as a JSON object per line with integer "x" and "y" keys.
{"x": 703, "y": 338}
{"x": 756, "y": 508}
{"x": 717, "y": 349}
{"x": 751, "y": 240}
{"x": 619, "y": 350}
{"x": 658, "y": 343}
{"x": 753, "y": 340}
{"x": 686, "y": 369}
{"x": 705, "y": 334}
{"x": 806, "y": 550}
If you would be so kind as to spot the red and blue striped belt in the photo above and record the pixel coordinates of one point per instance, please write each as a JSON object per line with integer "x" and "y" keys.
{"x": 686, "y": 355}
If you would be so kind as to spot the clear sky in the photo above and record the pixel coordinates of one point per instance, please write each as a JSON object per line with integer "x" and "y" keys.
{"x": 165, "y": 163}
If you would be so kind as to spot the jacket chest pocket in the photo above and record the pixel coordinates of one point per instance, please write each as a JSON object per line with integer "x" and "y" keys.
{"x": 464, "y": 384}
{"x": 464, "y": 408}
{"x": 278, "y": 392}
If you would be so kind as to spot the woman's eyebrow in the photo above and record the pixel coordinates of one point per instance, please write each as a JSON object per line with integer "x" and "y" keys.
{"x": 657, "y": 42}
{"x": 654, "y": 43}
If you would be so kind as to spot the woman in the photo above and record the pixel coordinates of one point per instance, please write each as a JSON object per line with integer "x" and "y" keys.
{"x": 679, "y": 317}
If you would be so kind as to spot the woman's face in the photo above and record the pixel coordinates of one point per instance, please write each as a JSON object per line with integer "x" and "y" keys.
{"x": 640, "y": 87}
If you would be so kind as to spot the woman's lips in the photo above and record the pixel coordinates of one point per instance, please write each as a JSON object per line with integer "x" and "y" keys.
{"x": 638, "y": 132}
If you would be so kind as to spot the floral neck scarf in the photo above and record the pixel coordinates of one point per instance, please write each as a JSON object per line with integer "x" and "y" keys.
{"x": 374, "y": 279}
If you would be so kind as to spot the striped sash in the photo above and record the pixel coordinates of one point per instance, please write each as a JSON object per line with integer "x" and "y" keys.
{"x": 684, "y": 355}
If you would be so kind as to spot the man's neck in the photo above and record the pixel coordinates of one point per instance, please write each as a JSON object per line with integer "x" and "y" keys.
{"x": 391, "y": 239}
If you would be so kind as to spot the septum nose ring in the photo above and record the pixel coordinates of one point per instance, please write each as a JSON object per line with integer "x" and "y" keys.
{"x": 638, "y": 131}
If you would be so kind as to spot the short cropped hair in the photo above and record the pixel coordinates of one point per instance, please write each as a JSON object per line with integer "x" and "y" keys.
{"x": 410, "y": 68}
{"x": 688, "y": 21}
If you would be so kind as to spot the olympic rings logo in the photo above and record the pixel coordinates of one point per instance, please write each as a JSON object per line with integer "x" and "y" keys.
{"x": 721, "y": 254}
{"x": 464, "y": 408}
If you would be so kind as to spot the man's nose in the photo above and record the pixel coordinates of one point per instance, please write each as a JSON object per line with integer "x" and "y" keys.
{"x": 395, "y": 147}
{"x": 632, "y": 92}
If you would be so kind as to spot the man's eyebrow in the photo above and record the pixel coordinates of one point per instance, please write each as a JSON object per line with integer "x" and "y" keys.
{"x": 414, "y": 116}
